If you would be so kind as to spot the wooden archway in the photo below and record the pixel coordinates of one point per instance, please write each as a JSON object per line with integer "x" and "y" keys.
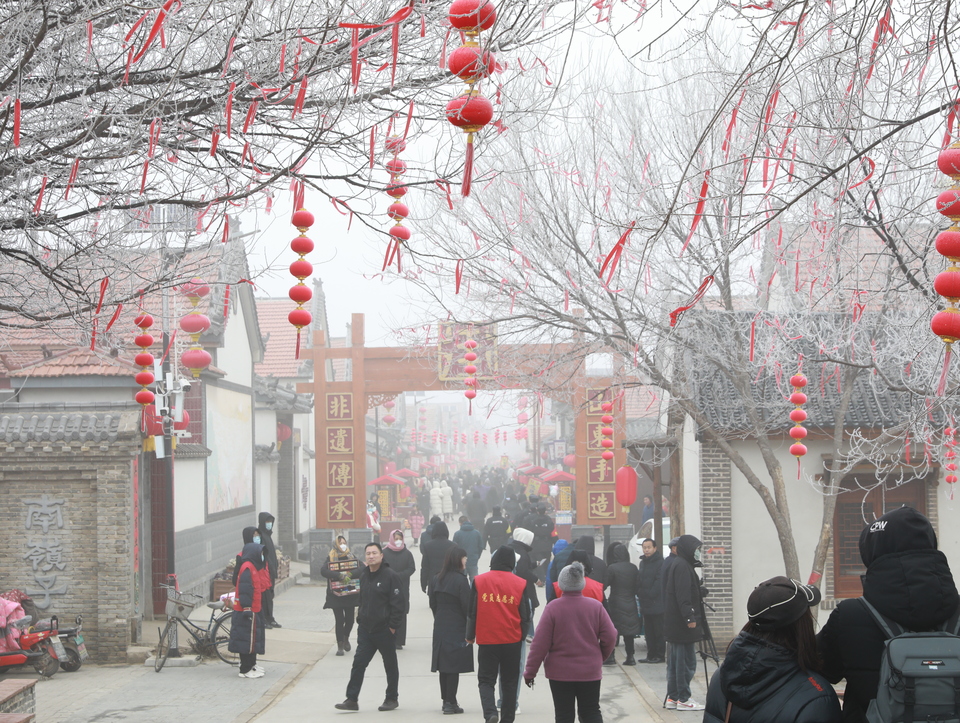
{"x": 340, "y": 409}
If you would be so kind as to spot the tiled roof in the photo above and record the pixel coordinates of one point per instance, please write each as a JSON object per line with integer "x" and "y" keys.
{"x": 272, "y": 395}
{"x": 78, "y": 362}
{"x": 281, "y": 339}
{"x": 66, "y": 427}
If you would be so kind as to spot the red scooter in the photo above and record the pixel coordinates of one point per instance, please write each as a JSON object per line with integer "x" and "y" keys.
{"x": 40, "y": 649}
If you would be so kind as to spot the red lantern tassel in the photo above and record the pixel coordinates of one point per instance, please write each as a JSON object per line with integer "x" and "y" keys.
{"x": 945, "y": 372}
{"x": 467, "y": 168}
{"x": 798, "y": 468}
{"x": 297, "y": 354}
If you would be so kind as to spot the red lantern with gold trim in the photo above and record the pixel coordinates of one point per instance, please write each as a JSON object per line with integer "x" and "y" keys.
{"x": 301, "y": 294}
{"x": 626, "y": 481}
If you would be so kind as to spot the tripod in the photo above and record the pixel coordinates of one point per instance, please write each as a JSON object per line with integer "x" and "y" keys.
{"x": 707, "y": 647}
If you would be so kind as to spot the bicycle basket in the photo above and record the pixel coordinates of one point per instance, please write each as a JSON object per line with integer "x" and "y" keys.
{"x": 179, "y": 606}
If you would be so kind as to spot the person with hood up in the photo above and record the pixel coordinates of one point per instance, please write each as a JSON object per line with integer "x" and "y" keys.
{"x": 434, "y": 552}
{"x": 498, "y": 616}
{"x": 650, "y": 595}
{"x": 495, "y": 531}
{"x": 265, "y": 523}
{"x": 621, "y": 579}
{"x": 597, "y": 566}
{"x": 476, "y": 509}
{"x": 249, "y": 534}
{"x": 449, "y": 594}
{"x": 559, "y": 556}
{"x": 436, "y": 501}
{"x": 401, "y": 561}
{"x": 543, "y": 532}
{"x": 342, "y": 570}
{"x": 378, "y": 617}
{"x": 683, "y": 623}
{"x": 520, "y": 544}
{"x": 247, "y": 623}
{"x": 574, "y": 637}
{"x": 446, "y": 500}
{"x": 470, "y": 540}
{"x": 908, "y": 580}
{"x": 770, "y": 673}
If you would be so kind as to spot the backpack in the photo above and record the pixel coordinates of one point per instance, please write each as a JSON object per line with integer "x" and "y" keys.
{"x": 919, "y": 673}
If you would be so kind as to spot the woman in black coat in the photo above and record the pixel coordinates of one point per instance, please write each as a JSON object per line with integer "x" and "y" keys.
{"x": 650, "y": 595}
{"x": 449, "y": 594}
{"x": 342, "y": 571}
{"x": 400, "y": 560}
{"x": 620, "y": 578}
{"x": 247, "y": 624}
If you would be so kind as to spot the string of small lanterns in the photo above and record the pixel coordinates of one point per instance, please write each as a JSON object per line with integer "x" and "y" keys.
{"x": 946, "y": 323}
{"x": 798, "y": 432}
{"x": 397, "y": 210}
{"x": 471, "y": 370}
{"x": 606, "y": 431}
{"x": 471, "y": 111}
{"x": 144, "y": 359}
{"x": 300, "y": 293}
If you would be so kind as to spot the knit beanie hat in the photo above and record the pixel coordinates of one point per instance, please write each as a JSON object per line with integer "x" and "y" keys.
{"x": 503, "y": 559}
{"x": 571, "y": 578}
{"x": 900, "y": 530}
{"x": 524, "y": 536}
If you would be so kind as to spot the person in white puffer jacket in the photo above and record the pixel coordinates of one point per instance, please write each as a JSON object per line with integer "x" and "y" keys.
{"x": 447, "y": 500}
{"x": 436, "y": 500}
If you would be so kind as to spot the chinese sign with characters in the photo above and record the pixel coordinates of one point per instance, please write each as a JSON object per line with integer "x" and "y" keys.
{"x": 340, "y": 474}
{"x": 339, "y": 406}
{"x": 601, "y": 505}
{"x": 595, "y": 398}
{"x": 595, "y": 435}
{"x": 44, "y": 517}
{"x": 340, "y": 508}
{"x": 339, "y": 440}
{"x": 599, "y": 471}
{"x": 450, "y": 350}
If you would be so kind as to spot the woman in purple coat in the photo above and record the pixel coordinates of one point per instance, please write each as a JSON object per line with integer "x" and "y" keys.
{"x": 573, "y": 638}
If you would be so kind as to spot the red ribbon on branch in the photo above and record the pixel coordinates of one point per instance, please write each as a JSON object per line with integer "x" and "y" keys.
{"x": 675, "y": 314}
{"x": 698, "y": 213}
{"x": 355, "y": 42}
{"x": 613, "y": 258}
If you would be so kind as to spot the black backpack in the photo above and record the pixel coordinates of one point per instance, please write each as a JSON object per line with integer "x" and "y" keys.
{"x": 919, "y": 673}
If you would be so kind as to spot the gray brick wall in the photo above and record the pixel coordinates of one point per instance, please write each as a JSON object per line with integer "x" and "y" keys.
{"x": 18, "y": 696}
{"x": 87, "y": 551}
{"x": 716, "y": 523}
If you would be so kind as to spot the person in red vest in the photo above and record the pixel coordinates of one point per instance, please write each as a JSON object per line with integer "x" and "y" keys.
{"x": 592, "y": 588}
{"x": 247, "y": 625}
{"x": 499, "y": 612}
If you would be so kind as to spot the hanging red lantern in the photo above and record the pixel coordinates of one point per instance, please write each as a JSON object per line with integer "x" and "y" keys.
{"x": 798, "y": 416}
{"x": 472, "y": 16}
{"x": 283, "y": 434}
{"x": 389, "y": 419}
{"x": 606, "y": 432}
{"x": 470, "y": 63}
{"x": 626, "y": 481}
{"x": 570, "y": 460}
{"x": 144, "y": 359}
{"x": 946, "y": 323}
{"x": 399, "y": 234}
{"x": 301, "y": 294}
{"x": 182, "y": 425}
{"x": 196, "y": 358}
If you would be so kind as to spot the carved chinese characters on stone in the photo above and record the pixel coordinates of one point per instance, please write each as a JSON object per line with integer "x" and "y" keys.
{"x": 595, "y": 398}
{"x": 340, "y": 474}
{"x": 599, "y": 471}
{"x": 601, "y": 505}
{"x": 44, "y": 553}
{"x": 595, "y": 435}
{"x": 339, "y": 440}
{"x": 339, "y": 406}
{"x": 340, "y": 508}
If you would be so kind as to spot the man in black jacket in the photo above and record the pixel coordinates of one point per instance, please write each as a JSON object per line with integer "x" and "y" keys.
{"x": 381, "y": 611}
{"x": 682, "y": 622}
{"x": 265, "y": 524}
{"x": 434, "y": 553}
{"x": 495, "y": 531}
{"x": 909, "y": 581}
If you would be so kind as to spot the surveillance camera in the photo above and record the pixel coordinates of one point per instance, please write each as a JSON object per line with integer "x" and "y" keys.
{"x": 185, "y": 384}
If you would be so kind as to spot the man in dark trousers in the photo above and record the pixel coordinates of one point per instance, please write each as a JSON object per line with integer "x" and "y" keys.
{"x": 683, "y": 622}
{"x": 499, "y": 613}
{"x": 381, "y": 611}
{"x": 908, "y": 580}
{"x": 265, "y": 524}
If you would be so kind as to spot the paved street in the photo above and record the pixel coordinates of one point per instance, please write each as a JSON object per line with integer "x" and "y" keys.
{"x": 305, "y": 678}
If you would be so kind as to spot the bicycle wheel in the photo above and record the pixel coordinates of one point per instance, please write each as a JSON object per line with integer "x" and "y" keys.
{"x": 163, "y": 647}
{"x": 220, "y": 635}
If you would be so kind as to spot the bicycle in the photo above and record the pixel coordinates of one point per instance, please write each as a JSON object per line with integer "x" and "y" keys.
{"x": 211, "y": 640}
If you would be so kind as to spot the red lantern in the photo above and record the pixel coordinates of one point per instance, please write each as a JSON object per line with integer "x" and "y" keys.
{"x": 470, "y": 63}
{"x": 300, "y": 293}
{"x": 947, "y": 284}
{"x": 195, "y": 324}
{"x": 948, "y": 244}
{"x": 144, "y": 321}
{"x": 798, "y": 450}
{"x": 472, "y": 16}
{"x": 302, "y": 220}
{"x": 389, "y": 419}
{"x": 144, "y": 341}
{"x": 144, "y": 377}
{"x": 570, "y": 460}
{"x": 946, "y": 325}
{"x": 196, "y": 360}
{"x": 607, "y": 455}
{"x": 949, "y": 162}
{"x": 470, "y": 112}
{"x": 301, "y": 269}
{"x": 300, "y": 318}
{"x": 948, "y": 204}
{"x": 398, "y": 211}
{"x": 144, "y": 359}
{"x": 401, "y": 233}
{"x": 301, "y": 245}
{"x": 396, "y": 166}
{"x": 194, "y": 290}
{"x": 144, "y": 397}
{"x": 798, "y": 432}
{"x": 182, "y": 425}
{"x": 626, "y": 486}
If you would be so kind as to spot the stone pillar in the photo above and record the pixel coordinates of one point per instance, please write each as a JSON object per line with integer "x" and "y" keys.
{"x": 716, "y": 523}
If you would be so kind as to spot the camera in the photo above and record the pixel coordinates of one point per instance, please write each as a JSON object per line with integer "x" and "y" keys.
{"x": 185, "y": 384}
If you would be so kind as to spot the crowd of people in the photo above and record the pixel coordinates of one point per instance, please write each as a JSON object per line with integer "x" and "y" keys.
{"x": 777, "y": 670}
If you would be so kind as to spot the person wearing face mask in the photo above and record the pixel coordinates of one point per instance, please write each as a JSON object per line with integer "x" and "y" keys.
{"x": 247, "y": 625}
{"x": 401, "y": 561}
{"x": 250, "y": 534}
{"x": 265, "y": 524}
{"x": 683, "y": 622}
{"x": 342, "y": 571}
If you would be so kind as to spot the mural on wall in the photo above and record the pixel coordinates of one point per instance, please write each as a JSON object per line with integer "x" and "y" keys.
{"x": 42, "y": 522}
{"x": 229, "y": 433}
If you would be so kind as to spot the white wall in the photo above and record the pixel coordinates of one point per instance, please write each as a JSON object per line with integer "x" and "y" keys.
{"x": 189, "y": 493}
{"x": 756, "y": 548}
{"x": 690, "y": 462}
{"x": 949, "y": 532}
{"x": 99, "y": 395}
{"x": 265, "y": 426}
{"x": 235, "y": 358}
{"x": 266, "y": 486}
